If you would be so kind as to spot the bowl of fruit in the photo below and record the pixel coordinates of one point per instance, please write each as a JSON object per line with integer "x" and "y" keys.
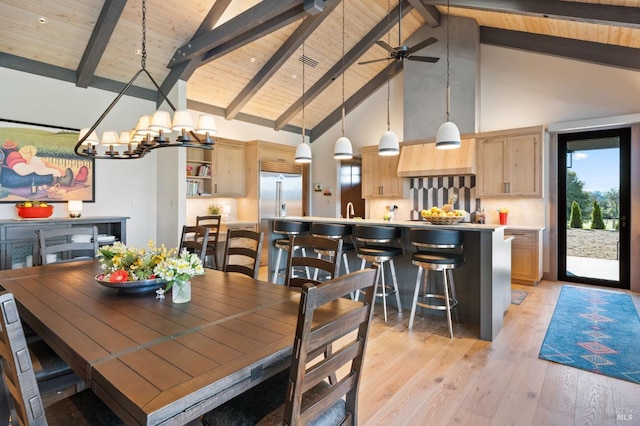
{"x": 446, "y": 215}
{"x": 34, "y": 210}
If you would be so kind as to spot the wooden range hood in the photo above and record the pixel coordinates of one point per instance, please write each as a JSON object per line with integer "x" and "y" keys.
{"x": 421, "y": 159}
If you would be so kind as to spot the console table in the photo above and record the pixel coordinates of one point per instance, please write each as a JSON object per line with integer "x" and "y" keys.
{"x": 18, "y": 238}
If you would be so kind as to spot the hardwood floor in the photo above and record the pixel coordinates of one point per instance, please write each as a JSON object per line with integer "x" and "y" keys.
{"x": 423, "y": 377}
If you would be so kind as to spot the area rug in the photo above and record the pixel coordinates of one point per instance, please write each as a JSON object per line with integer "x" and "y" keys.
{"x": 595, "y": 330}
{"x": 517, "y": 296}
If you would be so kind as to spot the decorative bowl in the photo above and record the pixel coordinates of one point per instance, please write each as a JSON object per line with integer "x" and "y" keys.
{"x": 142, "y": 286}
{"x": 34, "y": 212}
{"x": 444, "y": 220}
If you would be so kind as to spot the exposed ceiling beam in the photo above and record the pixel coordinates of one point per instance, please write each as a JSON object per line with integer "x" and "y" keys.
{"x": 288, "y": 48}
{"x": 102, "y": 31}
{"x": 357, "y": 98}
{"x": 593, "y": 13}
{"x": 258, "y": 14}
{"x": 428, "y": 12}
{"x": 186, "y": 69}
{"x": 598, "y": 53}
{"x": 381, "y": 28}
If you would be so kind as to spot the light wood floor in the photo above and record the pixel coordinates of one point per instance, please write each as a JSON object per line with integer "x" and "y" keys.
{"x": 422, "y": 376}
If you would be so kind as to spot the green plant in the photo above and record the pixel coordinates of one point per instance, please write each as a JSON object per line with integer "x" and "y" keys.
{"x": 596, "y": 217}
{"x": 575, "y": 220}
{"x": 121, "y": 263}
{"x": 214, "y": 209}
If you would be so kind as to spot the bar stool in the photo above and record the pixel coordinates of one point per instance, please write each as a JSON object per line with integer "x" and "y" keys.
{"x": 373, "y": 246}
{"x": 287, "y": 229}
{"x": 336, "y": 232}
{"x": 437, "y": 250}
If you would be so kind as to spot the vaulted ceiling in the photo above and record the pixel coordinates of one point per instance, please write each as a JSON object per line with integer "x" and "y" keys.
{"x": 242, "y": 58}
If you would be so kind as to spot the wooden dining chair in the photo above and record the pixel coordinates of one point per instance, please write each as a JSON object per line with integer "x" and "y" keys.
{"x": 67, "y": 244}
{"x": 213, "y": 223}
{"x": 242, "y": 252}
{"x": 302, "y": 395}
{"x": 303, "y": 268}
{"x": 195, "y": 239}
{"x": 21, "y": 388}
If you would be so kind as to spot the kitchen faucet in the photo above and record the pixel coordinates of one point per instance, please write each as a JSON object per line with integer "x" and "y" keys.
{"x": 350, "y": 211}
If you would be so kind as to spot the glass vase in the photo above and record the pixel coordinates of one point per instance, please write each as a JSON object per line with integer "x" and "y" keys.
{"x": 181, "y": 291}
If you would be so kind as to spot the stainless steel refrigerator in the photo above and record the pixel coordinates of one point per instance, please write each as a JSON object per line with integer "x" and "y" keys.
{"x": 280, "y": 194}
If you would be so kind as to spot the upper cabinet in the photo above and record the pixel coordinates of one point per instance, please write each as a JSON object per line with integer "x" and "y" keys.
{"x": 218, "y": 172}
{"x": 423, "y": 159}
{"x": 380, "y": 175}
{"x": 510, "y": 163}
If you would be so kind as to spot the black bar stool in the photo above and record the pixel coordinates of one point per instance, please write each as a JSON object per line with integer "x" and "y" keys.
{"x": 287, "y": 229}
{"x": 337, "y": 232}
{"x": 374, "y": 246}
{"x": 437, "y": 250}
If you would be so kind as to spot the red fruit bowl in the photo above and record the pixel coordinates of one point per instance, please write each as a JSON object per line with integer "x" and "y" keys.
{"x": 34, "y": 212}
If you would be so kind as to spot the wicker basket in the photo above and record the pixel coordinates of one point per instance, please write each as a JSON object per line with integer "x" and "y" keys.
{"x": 448, "y": 220}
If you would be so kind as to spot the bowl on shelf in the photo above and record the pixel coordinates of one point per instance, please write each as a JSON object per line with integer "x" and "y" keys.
{"x": 106, "y": 239}
{"x": 35, "y": 212}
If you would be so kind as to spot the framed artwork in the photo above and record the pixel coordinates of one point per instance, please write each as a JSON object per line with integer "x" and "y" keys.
{"x": 38, "y": 163}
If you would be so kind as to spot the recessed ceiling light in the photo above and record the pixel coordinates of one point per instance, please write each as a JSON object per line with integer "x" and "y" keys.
{"x": 138, "y": 52}
{"x": 293, "y": 76}
{"x": 252, "y": 59}
{"x": 42, "y": 20}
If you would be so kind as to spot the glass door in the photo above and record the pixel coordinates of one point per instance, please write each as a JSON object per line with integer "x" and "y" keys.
{"x": 593, "y": 207}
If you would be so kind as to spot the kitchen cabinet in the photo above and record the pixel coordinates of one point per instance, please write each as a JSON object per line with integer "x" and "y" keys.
{"x": 380, "y": 175}
{"x": 510, "y": 164}
{"x": 218, "y": 172}
{"x": 423, "y": 159}
{"x": 526, "y": 255}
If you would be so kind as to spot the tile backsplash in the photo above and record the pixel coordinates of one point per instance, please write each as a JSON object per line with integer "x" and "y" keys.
{"x": 428, "y": 192}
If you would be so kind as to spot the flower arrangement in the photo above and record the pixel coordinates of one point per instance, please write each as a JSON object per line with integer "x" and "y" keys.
{"x": 179, "y": 268}
{"x": 502, "y": 210}
{"x": 390, "y": 209}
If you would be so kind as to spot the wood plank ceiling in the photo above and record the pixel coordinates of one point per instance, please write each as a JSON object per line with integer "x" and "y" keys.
{"x": 241, "y": 58}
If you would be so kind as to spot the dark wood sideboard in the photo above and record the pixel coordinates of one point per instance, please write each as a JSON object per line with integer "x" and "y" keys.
{"x": 18, "y": 238}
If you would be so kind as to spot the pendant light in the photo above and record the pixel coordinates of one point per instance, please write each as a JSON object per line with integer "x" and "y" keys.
{"x": 448, "y": 136}
{"x": 389, "y": 144}
{"x": 343, "y": 149}
{"x": 303, "y": 151}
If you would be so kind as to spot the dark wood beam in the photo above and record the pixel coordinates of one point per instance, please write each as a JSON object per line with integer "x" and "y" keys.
{"x": 308, "y": 26}
{"x": 428, "y": 12}
{"x": 102, "y": 31}
{"x": 593, "y": 13}
{"x": 597, "y": 53}
{"x": 258, "y": 14}
{"x": 357, "y": 98}
{"x": 381, "y": 28}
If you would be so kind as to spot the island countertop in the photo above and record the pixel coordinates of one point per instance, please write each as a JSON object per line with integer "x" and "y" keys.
{"x": 483, "y": 283}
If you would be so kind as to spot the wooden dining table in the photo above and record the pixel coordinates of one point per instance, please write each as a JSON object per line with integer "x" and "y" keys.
{"x": 152, "y": 361}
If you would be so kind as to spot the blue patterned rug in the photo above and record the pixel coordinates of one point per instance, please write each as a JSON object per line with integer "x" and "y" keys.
{"x": 517, "y": 296}
{"x": 595, "y": 330}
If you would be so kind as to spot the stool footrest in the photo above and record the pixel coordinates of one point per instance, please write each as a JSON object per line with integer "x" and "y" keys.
{"x": 441, "y": 306}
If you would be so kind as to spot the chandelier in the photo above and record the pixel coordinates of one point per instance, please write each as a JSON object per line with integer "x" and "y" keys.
{"x": 151, "y": 130}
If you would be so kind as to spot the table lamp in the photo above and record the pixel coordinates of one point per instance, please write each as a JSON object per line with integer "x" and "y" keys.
{"x": 75, "y": 208}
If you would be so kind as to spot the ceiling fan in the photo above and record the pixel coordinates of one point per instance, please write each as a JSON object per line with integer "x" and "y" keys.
{"x": 404, "y": 52}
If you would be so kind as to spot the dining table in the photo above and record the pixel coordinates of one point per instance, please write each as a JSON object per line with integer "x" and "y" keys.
{"x": 152, "y": 361}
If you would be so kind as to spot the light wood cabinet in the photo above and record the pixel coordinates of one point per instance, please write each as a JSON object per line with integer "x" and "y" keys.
{"x": 526, "y": 256}
{"x": 218, "y": 172}
{"x": 510, "y": 164}
{"x": 423, "y": 159}
{"x": 380, "y": 175}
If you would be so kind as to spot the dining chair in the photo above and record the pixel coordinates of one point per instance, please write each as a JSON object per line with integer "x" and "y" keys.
{"x": 68, "y": 244}
{"x": 213, "y": 223}
{"x": 242, "y": 252}
{"x": 195, "y": 239}
{"x": 302, "y": 268}
{"x": 301, "y": 394}
{"x": 21, "y": 389}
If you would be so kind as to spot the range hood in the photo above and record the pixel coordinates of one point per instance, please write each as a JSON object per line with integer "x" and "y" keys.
{"x": 421, "y": 158}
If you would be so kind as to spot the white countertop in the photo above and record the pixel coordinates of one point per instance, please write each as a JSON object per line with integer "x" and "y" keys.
{"x": 525, "y": 228}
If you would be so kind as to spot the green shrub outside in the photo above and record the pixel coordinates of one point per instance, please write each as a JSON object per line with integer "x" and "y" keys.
{"x": 597, "y": 221}
{"x": 575, "y": 220}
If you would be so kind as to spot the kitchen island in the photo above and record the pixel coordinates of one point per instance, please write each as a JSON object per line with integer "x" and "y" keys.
{"x": 483, "y": 283}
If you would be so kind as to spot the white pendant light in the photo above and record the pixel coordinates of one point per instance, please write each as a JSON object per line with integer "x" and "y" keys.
{"x": 303, "y": 151}
{"x": 448, "y": 136}
{"x": 343, "y": 149}
{"x": 389, "y": 144}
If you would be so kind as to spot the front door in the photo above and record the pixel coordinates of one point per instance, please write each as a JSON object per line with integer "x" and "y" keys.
{"x": 594, "y": 206}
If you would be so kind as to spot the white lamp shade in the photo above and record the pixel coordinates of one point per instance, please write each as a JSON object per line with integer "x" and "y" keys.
{"x": 144, "y": 126}
{"x": 343, "y": 149}
{"x": 161, "y": 121}
{"x": 125, "y": 137}
{"x": 389, "y": 144}
{"x": 182, "y": 121}
{"x": 207, "y": 124}
{"x": 74, "y": 206}
{"x": 92, "y": 139}
{"x": 109, "y": 138}
{"x": 448, "y": 136}
{"x": 303, "y": 153}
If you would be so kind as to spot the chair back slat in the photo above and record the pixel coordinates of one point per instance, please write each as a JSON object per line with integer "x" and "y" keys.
{"x": 242, "y": 252}
{"x": 195, "y": 239}
{"x": 60, "y": 242}
{"x": 302, "y": 261}
{"x": 213, "y": 223}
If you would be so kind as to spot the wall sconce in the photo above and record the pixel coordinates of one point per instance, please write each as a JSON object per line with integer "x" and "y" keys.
{"x": 75, "y": 208}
